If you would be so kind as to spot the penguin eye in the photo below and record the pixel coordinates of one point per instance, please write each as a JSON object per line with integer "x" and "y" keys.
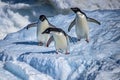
{"x": 47, "y": 31}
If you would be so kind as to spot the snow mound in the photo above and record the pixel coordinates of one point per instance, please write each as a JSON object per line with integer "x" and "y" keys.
{"x": 25, "y": 71}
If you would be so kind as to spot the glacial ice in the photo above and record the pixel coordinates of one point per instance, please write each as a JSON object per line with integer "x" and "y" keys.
{"x": 97, "y": 60}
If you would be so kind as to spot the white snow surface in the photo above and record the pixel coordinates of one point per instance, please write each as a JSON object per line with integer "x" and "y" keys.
{"x": 24, "y": 71}
{"x": 97, "y": 60}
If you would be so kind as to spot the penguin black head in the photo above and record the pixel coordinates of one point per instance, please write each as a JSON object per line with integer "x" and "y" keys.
{"x": 48, "y": 30}
{"x": 76, "y": 9}
{"x": 42, "y": 17}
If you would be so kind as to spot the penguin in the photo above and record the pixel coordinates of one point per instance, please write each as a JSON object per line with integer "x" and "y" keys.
{"x": 81, "y": 24}
{"x": 61, "y": 39}
{"x": 42, "y": 25}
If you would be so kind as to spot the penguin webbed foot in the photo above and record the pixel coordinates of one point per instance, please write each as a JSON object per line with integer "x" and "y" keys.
{"x": 67, "y": 53}
{"x": 87, "y": 40}
{"x": 56, "y": 52}
{"x": 78, "y": 39}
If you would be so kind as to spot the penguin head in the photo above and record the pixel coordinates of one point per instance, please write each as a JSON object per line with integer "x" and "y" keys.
{"x": 75, "y": 9}
{"x": 42, "y": 17}
{"x": 54, "y": 30}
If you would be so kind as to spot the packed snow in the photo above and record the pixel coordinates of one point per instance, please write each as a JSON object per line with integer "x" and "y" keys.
{"x": 99, "y": 59}
{"x": 22, "y": 59}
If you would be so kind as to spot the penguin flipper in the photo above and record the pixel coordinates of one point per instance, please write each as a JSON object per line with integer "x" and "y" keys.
{"x": 93, "y": 20}
{"x": 31, "y": 25}
{"x": 49, "y": 41}
{"x": 71, "y": 25}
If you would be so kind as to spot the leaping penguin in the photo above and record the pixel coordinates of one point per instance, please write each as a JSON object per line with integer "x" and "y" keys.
{"x": 42, "y": 25}
{"x": 60, "y": 38}
{"x": 81, "y": 25}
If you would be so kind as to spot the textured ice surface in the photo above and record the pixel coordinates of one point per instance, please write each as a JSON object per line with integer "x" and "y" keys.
{"x": 24, "y": 71}
{"x": 97, "y": 60}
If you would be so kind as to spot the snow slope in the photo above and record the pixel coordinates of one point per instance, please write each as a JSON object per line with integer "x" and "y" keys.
{"x": 97, "y": 60}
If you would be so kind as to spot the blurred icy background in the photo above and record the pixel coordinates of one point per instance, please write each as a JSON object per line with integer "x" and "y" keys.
{"x": 22, "y": 59}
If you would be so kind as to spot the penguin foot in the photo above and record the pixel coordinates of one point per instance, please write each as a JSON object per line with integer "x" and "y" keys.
{"x": 40, "y": 44}
{"x": 56, "y": 52}
{"x": 78, "y": 39}
{"x": 67, "y": 53}
{"x": 87, "y": 40}
{"x": 47, "y": 45}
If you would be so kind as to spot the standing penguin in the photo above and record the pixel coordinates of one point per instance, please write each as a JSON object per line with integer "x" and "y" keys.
{"x": 42, "y": 25}
{"x": 61, "y": 39}
{"x": 81, "y": 25}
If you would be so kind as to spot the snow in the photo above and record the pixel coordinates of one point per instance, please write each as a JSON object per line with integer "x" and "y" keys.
{"x": 86, "y": 61}
{"x": 86, "y": 4}
{"x": 25, "y": 72}
{"x": 10, "y": 21}
{"x": 15, "y": 14}
{"x": 22, "y": 59}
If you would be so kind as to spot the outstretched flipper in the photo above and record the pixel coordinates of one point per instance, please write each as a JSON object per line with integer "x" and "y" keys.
{"x": 93, "y": 20}
{"x": 50, "y": 40}
{"x": 71, "y": 25}
{"x": 32, "y": 25}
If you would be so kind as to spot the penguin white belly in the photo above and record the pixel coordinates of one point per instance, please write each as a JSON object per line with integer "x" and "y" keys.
{"x": 40, "y": 28}
{"x": 82, "y": 28}
{"x": 60, "y": 41}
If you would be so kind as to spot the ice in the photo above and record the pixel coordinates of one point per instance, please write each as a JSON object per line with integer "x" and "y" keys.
{"x": 24, "y": 71}
{"x": 15, "y": 14}
{"x": 97, "y": 60}
{"x": 6, "y": 75}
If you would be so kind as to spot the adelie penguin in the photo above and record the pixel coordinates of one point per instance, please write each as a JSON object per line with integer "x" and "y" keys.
{"x": 42, "y": 25}
{"x": 61, "y": 39}
{"x": 81, "y": 24}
